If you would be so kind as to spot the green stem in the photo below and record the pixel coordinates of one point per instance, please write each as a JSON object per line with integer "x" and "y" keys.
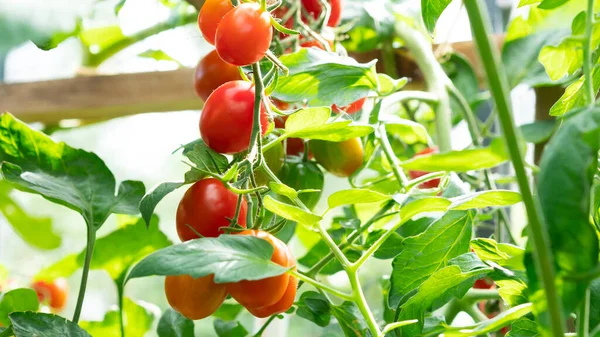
{"x": 435, "y": 78}
{"x": 389, "y": 59}
{"x": 583, "y": 316}
{"x": 274, "y": 142}
{"x": 361, "y": 303}
{"x": 337, "y": 252}
{"x": 475, "y": 313}
{"x": 89, "y": 251}
{"x": 587, "y": 54}
{"x": 391, "y": 156}
{"x": 94, "y": 60}
{"x": 396, "y": 325}
{"x": 322, "y": 286}
{"x": 498, "y": 85}
{"x": 476, "y": 295}
{"x": 121, "y": 297}
{"x": 265, "y": 326}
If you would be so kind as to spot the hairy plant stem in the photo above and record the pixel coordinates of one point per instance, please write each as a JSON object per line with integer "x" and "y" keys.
{"x": 89, "y": 251}
{"x": 498, "y": 85}
{"x": 587, "y": 54}
{"x": 435, "y": 78}
{"x": 391, "y": 156}
{"x": 361, "y": 303}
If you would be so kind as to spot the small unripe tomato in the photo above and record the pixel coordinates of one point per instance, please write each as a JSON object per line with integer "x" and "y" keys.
{"x": 194, "y": 298}
{"x": 314, "y": 7}
{"x": 268, "y": 291}
{"x": 211, "y": 73}
{"x": 433, "y": 183}
{"x": 244, "y": 35}
{"x": 205, "y": 207}
{"x": 282, "y": 305}
{"x": 304, "y": 175}
{"x": 227, "y": 117}
{"x": 54, "y": 292}
{"x": 352, "y": 108}
{"x": 211, "y": 13}
{"x": 339, "y": 158}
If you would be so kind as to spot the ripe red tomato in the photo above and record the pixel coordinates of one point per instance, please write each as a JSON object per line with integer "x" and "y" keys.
{"x": 194, "y": 298}
{"x": 282, "y": 305}
{"x": 211, "y": 13}
{"x": 269, "y": 291}
{"x": 317, "y": 44}
{"x": 294, "y": 146}
{"x": 211, "y": 73}
{"x": 433, "y": 183}
{"x": 244, "y": 35}
{"x": 352, "y": 108}
{"x": 314, "y": 8}
{"x": 484, "y": 283}
{"x": 54, "y": 293}
{"x": 227, "y": 117}
{"x": 207, "y": 206}
{"x": 339, "y": 158}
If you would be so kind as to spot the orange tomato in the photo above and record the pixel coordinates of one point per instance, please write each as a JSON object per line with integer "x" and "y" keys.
{"x": 194, "y": 298}
{"x": 54, "y": 293}
{"x": 282, "y": 305}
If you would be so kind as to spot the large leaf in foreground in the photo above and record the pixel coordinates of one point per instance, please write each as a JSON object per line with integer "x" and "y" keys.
{"x": 174, "y": 324}
{"x": 231, "y": 258}
{"x": 564, "y": 184}
{"x": 28, "y": 324}
{"x": 424, "y": 254}
{"x": 21, "y": 299}
{"x": 71, "y": 177}
{"x": 324, "y": 78}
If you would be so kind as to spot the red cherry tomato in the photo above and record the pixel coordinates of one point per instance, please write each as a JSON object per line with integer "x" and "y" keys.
{"x": 205, "y": 207}
{"x": 244, "y": 35}
{"x": 314, "y": 8}
{"x": 211, "y": 13}
{"x": 484, "y": 283}
{"x": 54, "y": 293}
{"x": 227, "y": 117}
{"x": 433, "y": 183}
{"x": 352, "y": 108}
{"x": 282, "y": 305}
{"x": 194, "y": 298}
{"x": 211, "y": 73}
{"x": 269, "y": 291}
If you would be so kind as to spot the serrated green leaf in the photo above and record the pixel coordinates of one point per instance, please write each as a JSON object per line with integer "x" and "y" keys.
{"x": 574, "y": 96}
{"x": 36, "y": 231}
{"x": 504, "y": 254}
{"x": 28, "y": 324}
{"x": 355, "y": 196}
{"x": 461, "y": 161}
{"x": 315, "y": 308}
{"x": 231, "y": 258}
{"x": 21, "y": 299}
{"x": 424, "y": 254}
{"x": 204, "y": 157}
{"x": 229, "y": 329}
{"x": 138, "y": 321}
{"x": 313, "y": 123}
{"x": 350, "y": 319}
{"x": 71, "y": 177}
{"x": 324, "y": 78}
{"x": 431, "y": 11}
{"x": 291, "y": 212}
{"x": 174, "y": 324}
{"x": 153, "y": 197}
{"x": 513, "y": 292}
{"x": 115, "y": 253}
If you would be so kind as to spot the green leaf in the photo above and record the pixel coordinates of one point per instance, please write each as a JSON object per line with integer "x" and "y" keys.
{"x": 229, "y": 329}
{"x": 100, "y": 38}
{"x": 431, "y": 11}
{"x": 574, "y": 96}
{"x": 409, "y": 132}
{"x": 355, "y": 196}
{"x": 134, "y": 241}
{"x": 388, "y": 85}
{"x": 174, "y": 324}
{"x": 566, "y": 175}
{"x": 153, "y": 197}
{"x": 390, "y": 248}
{"x": 538, "y": 132}
{"x": 324, "y": 78}
{"x": 315, "y": 308}
{"x": 71, "y": 177}
{"x": 28, "y": 324}
{"x": 497, "y": 198}
{"x": 449, "y": 282}
{"x": 524, "y": 327}
{"x": 158, "y": 55}
{"x": 313, "y": 123}
{"x": 138, "y": 321}
{"x": 350, "y": 319}
{"x": 514, "y": 292}
{"x": 550, "y": 4}
{"x": 425, "y": 254}
{"x": 291, "y": 212}
{"x": 504, "y": 254}
{"x": 228, "y": 312}
{"x": 595, "y": 303}
{"x": 21, "y": 299}
{"x": 204, "y": 157}
{"x": 372, "y": 25}
{"x": 283, "y": 189}
{"x": 36, "y": 231}
{"x": 231, "y": 258}
{"x": 494, "y": 324}
{"x": 461, "y": 161}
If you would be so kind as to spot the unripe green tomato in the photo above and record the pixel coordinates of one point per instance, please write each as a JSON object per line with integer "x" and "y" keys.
{"x": 339, "y": 158}
{"x": 274, "y": 160}
{"x": 303, "y": 175}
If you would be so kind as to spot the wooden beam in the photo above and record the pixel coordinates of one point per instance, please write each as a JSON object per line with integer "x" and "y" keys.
{"x": 92, "y": 98}
{"x": 100, "y": 97}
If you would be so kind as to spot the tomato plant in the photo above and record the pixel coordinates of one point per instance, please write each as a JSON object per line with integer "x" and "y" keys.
{"x": 322, "y": 188}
